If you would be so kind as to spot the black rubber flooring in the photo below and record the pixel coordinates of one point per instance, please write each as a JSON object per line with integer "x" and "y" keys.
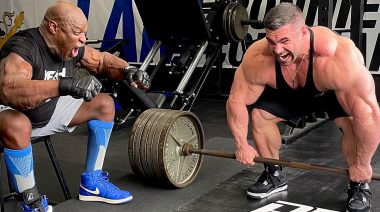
{"x": 221, "y": 184}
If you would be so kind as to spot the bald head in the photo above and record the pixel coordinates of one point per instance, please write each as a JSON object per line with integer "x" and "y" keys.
{"x": 64, "y": 29}
{"x": 65, "y": 12}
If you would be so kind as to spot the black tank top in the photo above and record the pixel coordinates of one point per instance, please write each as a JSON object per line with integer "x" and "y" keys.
{"x": 309, "y": 90}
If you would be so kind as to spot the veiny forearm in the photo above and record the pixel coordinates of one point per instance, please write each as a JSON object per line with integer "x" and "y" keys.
{"x": 237, "y": 118}
{"x": 359, "y": 100}
{"x": 104, "y": 64}
{"x": 366, "y": 124}
{"x": 25, "y": 94}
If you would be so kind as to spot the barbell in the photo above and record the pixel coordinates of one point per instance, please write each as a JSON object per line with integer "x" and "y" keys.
{"x": 235, "y": 22}
{"x": 166, "y": 146}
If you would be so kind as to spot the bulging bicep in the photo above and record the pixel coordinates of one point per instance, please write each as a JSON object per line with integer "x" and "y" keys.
{"x": 244, "y": 90}
{"x": 15, "y": 66}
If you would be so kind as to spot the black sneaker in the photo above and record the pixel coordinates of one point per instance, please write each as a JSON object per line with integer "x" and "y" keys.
{"x": 270, "y": 182}
{"x": 359, "y": 197}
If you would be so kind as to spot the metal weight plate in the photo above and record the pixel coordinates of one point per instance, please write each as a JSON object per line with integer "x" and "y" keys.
{"x": 131, "y": 143}
{"x": 233, "y": 15}
{"x": 138, "y": 147}
{"x": 135, "y": 140}
{"x": 238, "y": 30}
{"x": 176, "y": 169}
{"x": 225, "y": 20}
{"x": 155, "y": 146}
{"x": 143, "y": 157}
{"x": 151, "y": 140}
{"x": 230, "y": 24}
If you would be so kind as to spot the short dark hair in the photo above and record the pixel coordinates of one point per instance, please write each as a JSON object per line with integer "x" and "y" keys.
{"x": 282, "y": 14}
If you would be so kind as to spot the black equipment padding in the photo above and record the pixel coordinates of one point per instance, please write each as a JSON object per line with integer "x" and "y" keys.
{"x": 174, "y": 20}
{"x": 130, "y": 97}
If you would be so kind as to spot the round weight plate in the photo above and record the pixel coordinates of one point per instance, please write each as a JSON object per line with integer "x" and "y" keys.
{"x": 135, "y": 140}
{"x": 231, "y": 23}
{"x": 238, "y": 30}
{"x": 225, "y": 20}
{"x": 144, "y": 141}
{"x": 139, "y": 154}
{"x": 178, "y": 169}
{"x": 154, "y": 145}
{"x": 151, "y": 140}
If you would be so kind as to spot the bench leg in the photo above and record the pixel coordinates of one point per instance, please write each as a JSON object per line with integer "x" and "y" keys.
{"x": 57, "y": 168}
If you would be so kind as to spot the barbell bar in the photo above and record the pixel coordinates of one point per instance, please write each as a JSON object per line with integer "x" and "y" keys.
{"x": 188, "y": 149}
{"x": 256, "y": 24}
{"x": 166, "y": 147}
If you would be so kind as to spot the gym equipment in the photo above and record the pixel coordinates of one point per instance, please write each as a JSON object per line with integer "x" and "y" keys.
{"x": 166, "y": 145}
{"x": 184, "y": 36}
{"x": 185, "y": 33}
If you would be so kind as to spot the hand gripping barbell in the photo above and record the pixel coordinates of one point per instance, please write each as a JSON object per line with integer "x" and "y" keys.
{"x": 187, "y": 149}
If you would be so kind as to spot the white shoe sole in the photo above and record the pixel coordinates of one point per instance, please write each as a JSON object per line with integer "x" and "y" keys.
{"x": 50, "y": 209}
{"x": 101, "y": 199}
{"x": 264, "y": 195}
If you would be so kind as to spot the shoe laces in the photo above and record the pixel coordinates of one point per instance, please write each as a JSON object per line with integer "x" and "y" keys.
{"x": 263, "y": 177}
{"x": 266, "y": 176}
{"x": 359, "y": 192}
{"x": 104, "y": 179}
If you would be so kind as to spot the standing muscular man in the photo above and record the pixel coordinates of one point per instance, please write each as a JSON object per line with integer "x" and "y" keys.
{"x": 39, "y": 96}
{"x": 294, "y": 71}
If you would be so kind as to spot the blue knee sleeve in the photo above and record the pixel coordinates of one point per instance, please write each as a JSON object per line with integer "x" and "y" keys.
{"x": 99, "y": 133}
{"x": 20, "y": 169}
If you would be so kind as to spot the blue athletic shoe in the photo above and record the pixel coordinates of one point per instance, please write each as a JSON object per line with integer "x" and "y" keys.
{"x": 95, "y": 186}
{"x": 34, "y": 202}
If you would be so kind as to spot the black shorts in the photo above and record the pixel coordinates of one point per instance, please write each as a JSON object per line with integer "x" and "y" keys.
{"x": 294, "y": 108}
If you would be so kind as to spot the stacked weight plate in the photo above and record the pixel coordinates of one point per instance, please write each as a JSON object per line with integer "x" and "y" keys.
{"x": 233, "y": 15}
{"x": 155, "y": 146}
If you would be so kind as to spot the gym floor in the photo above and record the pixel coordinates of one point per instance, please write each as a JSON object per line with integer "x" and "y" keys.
{"x": 221, "y": 184}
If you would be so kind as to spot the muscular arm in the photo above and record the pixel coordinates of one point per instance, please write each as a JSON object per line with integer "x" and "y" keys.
{"x": 242, "y": 94}
{"x": 16, "y": 87}
{"x": 103, "y": 63}
{"x": 360, "y": 102}
{"x": 357, "y": 95}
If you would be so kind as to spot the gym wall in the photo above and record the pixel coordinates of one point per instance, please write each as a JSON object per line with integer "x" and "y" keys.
{"x": 118, "y": 19}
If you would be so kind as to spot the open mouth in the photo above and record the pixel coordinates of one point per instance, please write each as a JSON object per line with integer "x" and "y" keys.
{"x": 74, "y": 52}
{"x": 283, "y": 57}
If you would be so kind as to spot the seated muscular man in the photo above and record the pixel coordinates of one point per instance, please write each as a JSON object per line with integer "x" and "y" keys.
{"x": 39, "y": 96}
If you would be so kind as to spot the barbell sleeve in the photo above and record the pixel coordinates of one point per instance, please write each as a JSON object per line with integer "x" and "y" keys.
{"x": 257, "y": 159}
{"x": 256, "y": 24}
